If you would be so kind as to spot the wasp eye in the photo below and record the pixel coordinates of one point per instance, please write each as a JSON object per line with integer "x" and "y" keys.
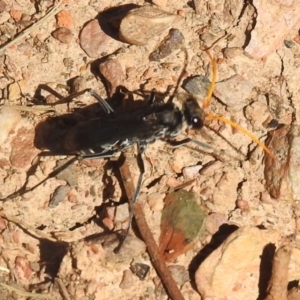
{"x": 196, "y": 123}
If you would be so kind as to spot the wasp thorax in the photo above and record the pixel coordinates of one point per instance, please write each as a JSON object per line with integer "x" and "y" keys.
{"x": 194, "y": 114}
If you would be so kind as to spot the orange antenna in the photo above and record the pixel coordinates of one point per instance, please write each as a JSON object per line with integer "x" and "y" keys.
{"x": 207, "y": 101}
{"x": 244, "y": 130}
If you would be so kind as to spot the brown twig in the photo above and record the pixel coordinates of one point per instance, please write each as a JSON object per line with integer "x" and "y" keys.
{"x": 26, "y": 294}
{"x": 63, "y": 289}
{"x": 54, "y": 9}
{"x": 157, "y": 259}
{"x": 29, "y": 228}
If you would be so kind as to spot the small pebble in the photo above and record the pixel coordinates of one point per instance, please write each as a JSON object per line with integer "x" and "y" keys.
{"x": 180, "y": 274}
{"x": 234, "y": 92}
{"x": 23, "y": 150}
{"x": 141, "y": 24}
{"x": 63, "y": 34}
{"x": 59, "y": 195}
{"x": 108, "y": 223}
{"x": 127, "y": 280}
{"x": 22, "y": 269}
{"x": 140, "y": 270}
{"x": 112, "y": 71}
{"x": 156, "y": 201}
{"x": 122, "y": 213}
{"x": 78, "y": 84}
{"x": 68, "y": 62}
{"x": 197, "y": 85}
{"x": 93, "y": 40}
{"x": 35, "y": 266}
{"x": 174, "y": 41}
{"x": 69, "y": 174}
{"x": 233, "y": 52}
{"x": 243, "y": 205}
{"x": 16, "y": 15}
{"x": 191, "y": 172}
{"x": 14, "y": 91}
{"x": 214, "y": 221}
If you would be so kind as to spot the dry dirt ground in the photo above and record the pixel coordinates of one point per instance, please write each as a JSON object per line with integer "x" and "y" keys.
{"x": 258, "y": 55}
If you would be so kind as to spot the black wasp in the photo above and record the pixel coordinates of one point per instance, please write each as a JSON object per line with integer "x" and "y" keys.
{"x": 105, "y": 136}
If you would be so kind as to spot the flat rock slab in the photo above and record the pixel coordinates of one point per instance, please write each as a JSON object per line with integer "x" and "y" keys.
{"x": 233, "y": 271}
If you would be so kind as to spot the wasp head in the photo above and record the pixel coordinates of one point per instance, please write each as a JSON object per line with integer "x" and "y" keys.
{"x": 193, "y": 113}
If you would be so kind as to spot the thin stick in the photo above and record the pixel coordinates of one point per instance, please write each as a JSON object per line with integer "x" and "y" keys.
{"x": 33, "y": 109}
{"x": 26, "y": 31}
{"x": 26, "y": 294}
{"x": 29, "y": 228}
{"x": 63, "y": 289}
{"x": 157, "y": 259}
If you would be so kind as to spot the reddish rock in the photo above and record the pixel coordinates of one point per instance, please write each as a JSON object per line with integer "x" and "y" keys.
{"x": 243, "y": 205}
{"x": 64, "y": 19}
{"x": 16, "y": 15}
{"x": 108, "y": 223}
{"x": 94, "y": 41}
{"x": 22, "y": 268}
{"x": 23, "y": 150}
{"x": 112, "y": 71}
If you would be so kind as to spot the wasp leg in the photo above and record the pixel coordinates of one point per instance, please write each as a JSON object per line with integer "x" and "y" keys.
{"x": 177, "y": 144}
{"x": 106, "y": 154}
{"x": 55, "y": 172}
{"x": 141, "y": 165}
{"x": 106, "y": 107}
